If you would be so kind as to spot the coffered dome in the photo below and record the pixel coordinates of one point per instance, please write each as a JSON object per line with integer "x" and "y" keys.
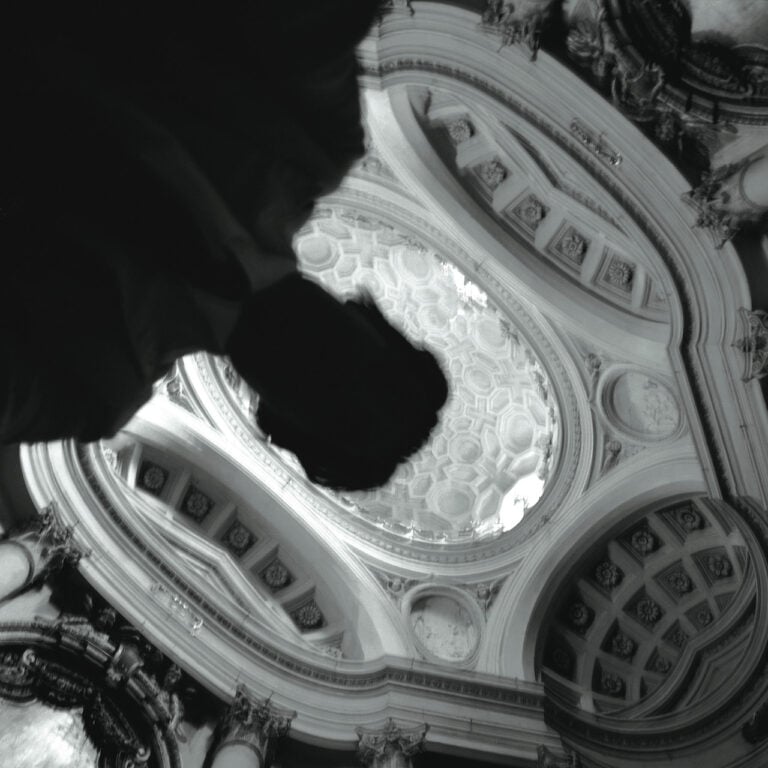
{"x": 497, "y": 440}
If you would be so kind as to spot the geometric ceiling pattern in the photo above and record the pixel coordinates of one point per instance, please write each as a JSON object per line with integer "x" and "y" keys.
{"x": 641, "y": 610}
{"x": 488, "y": 459}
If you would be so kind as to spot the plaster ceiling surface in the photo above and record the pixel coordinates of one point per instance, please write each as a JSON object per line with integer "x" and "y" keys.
{"x": 497, "y": 442}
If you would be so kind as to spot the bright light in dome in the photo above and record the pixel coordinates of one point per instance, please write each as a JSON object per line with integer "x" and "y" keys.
{"x": 468, "y": 292}
{"x": 521, "y": 497}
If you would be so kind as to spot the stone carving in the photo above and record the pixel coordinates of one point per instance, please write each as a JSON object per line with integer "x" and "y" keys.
{"x": 179, "y": 608}
{"x": 393, "y": 746}
{"x": 256, "y": 723}
{"x": 523, "y": 24}
{"x": 620, "y": 274}
{"x": 637, "y": 85}
{"x": 623, "y": 646}
{"x": 611, "y": 457}
{"x": 754, "y": 344}
{"x": 677, "y": 636}
{"x": 276, "y": 576}
{"x": 493, "y": 173}
{"x": 442, "y": 627}
{"x": 608, "y": 575}
{"x": 719, "y": 566}
{"x": 596, "y": 145}
{"x": 642, "y": 406}
{"x": 196, "y": 504}
{"x": 704, "y": 617}
{"x": 648, "y": 611}
{"x": 593, "y": 364}
{"x": 572, "y": 245}
{"x": 546, "y": 759}
{"x": 643, "y": 541}
{"x": 530, "y": 211}
{"x": 721, "y": 202}
{"x": 152, "y": 477}
{"x": 309, "y": 616}
{"x": 679, "y": 581}
{"x": 238, "y": 539}
{"x": 43, "y": 672}
{"x": 49, "y": 546}
{"x": 579, "y": 615}
{"x": 611, "y": 684}
{"x": 460, "y": 131}
{"x": 689, "y": 519}
{"x": 486, "y": 593}
{"x": 661, "y": 665}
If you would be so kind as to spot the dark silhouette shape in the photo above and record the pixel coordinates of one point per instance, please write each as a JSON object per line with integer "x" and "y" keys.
{"x": 344, "y": 390}
{"x": 155, "y": 161}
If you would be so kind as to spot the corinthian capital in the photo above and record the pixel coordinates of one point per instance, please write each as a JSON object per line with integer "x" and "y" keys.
{"x": 49, "y": 544}
{"x": 391, "y": 746}
{"x": 253, "y": 722}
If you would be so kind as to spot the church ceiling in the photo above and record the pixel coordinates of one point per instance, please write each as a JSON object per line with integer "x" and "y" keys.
{"x": 494, "y": 220}
{"x": 643, "y": 603}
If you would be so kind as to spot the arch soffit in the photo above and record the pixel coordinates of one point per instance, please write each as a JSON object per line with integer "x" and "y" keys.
{"x": 445, "y": 45}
